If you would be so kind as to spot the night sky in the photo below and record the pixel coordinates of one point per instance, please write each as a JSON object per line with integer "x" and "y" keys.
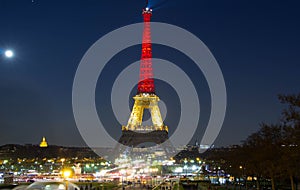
{"x": 256, "y": 43}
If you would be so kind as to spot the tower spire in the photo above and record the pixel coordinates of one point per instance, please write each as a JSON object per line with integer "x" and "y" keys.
{"x": 146, "y": 81}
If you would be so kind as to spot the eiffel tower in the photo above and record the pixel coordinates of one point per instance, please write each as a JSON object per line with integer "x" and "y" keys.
{"x": 135, "y": 133}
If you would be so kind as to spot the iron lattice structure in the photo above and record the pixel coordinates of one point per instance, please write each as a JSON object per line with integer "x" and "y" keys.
{"x": 145, "y": 98}
{"x": 146, "y": 82}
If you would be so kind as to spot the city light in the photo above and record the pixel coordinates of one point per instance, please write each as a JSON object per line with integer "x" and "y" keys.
{"x": 66, "y": 173}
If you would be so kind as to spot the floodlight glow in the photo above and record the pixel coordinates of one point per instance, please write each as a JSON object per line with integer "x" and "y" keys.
{"x": 66, "y": 173}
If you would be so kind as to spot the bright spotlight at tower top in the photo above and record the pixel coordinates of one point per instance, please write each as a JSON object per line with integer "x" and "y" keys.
{"x": 9, "y": 53}
{"x": 147, "y": 10}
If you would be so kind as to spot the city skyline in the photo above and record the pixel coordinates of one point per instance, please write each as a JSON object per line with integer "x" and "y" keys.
{"x": 255, "y": 44}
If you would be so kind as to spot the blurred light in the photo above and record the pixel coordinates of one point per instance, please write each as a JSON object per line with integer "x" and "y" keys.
{"x": 66, "y": 173}
{"x": 194, "y": 167}
{"x": 60, "y": 186}
{"x": 178, "y": 170}
{"x": 122, "y": 171}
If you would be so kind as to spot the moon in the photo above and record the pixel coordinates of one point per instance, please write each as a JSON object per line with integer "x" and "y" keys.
{"x": 9, "y": 53}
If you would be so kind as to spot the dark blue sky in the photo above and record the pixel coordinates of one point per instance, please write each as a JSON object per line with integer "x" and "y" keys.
{"x": 256, "y": 44}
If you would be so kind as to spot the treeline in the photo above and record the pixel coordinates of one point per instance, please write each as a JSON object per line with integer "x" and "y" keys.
{"x": 271, "y": 153}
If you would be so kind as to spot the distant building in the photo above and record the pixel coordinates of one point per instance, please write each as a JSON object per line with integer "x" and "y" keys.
{"x": 44, "y": 143}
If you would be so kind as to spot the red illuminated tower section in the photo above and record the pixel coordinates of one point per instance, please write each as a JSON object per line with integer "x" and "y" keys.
{"x": 146, "y": 82}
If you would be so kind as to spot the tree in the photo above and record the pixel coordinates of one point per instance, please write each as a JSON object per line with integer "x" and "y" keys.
{"x": 271, "y": 152}
{"x": 275, "y": 148}
{"x": 263, "y": 149}
{"x": 291, "y": 144}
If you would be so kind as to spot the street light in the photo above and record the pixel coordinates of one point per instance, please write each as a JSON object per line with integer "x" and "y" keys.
{"x": 185, "y": 166}
{"x": 62, "y": 162}
{"x": 242, "y": 173}
{"x": 66, "y": 174}
{"x": 122, "y": 171}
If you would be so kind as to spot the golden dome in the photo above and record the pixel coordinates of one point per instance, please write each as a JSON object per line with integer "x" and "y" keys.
{"x": 44, "y": 143}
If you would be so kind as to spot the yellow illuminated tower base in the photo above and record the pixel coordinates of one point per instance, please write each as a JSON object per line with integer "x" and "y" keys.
{"x": 145, "y": 101}
{"x": 134, "y": 133}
